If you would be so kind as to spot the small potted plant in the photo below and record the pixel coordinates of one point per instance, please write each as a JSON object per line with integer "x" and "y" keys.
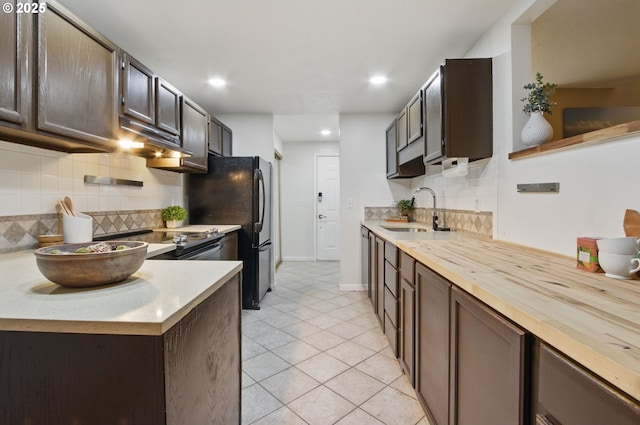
{"x": 537, "y": 103}
{"x": 174, "y": 216}
{"x": 405, "y": 207}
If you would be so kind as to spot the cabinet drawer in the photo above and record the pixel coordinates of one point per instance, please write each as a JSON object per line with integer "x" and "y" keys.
{"x": 391, "y": 307}
{"x": 392, "y": 334}
{"x": 407, "y": 267}
{"x": 391, "y": 254}
{"x": 391, "y": 278}
{"x": 572, "y": 396}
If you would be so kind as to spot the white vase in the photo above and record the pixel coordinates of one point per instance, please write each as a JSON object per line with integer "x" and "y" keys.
{"x": 172, "y": 224}
{"x": 537, "y": 130}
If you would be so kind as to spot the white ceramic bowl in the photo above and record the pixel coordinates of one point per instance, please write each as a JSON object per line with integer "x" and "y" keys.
{"x": 619, "y": 266}
{"x": 629, "y": 246}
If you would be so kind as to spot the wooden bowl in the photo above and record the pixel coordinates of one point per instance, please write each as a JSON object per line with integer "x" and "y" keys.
{"x": 90, "y": 269}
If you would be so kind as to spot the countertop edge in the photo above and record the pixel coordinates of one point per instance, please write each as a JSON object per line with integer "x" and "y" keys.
{"x": 178, "y": 315}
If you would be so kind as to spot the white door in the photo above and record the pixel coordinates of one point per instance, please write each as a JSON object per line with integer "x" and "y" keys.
{"x": 327, "y": 210}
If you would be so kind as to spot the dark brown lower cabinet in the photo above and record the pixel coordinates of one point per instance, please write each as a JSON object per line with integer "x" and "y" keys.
{"x": 391, "y": 292}
{"x": 407, "y": 301}
{"x": 189, "y": 375}
{"x": 380, "y": 280}
{"x": 432, "y": 321}
{"x": 373, "y": 272}
{"x": 488, "y": 379}
{"x": 566, "y": 394}
{"x": 364, "y": 261}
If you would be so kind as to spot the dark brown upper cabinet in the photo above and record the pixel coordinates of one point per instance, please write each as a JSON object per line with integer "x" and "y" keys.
{"x": 77, "y": 80}
{"x": 413, "y": 140}
{"x": 401, "y": 130}
{"x": 195, "y": 132}
{"x": 220, "y": 137}
{"x": 215, "y": 136}
{"x": 227, "y": 141}
{"x": 168, "y": 100}
{"x": 392, "y": 153}
{"x": 414, "y": 119}
{"x": 458, "y": 111}
{"x": 58, "y": 82}
{"x": 15, "y": 89}
{"x": 138, "y": 91}
{"x": 194, "y": 125}
{"x": 149, "y": 110}
{"x": 394, "y": 169}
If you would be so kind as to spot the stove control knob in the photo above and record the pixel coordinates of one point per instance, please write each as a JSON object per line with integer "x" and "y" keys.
{"x": 180, "y": 239}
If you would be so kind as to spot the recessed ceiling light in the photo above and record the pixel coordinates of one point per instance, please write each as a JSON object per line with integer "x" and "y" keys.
{"x": 325, "y": 132}
{"x": 378, "y": 80}
{"x": 217, "y": 82}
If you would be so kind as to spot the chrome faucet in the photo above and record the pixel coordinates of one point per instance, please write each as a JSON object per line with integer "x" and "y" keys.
{"x": 435, "y": 209}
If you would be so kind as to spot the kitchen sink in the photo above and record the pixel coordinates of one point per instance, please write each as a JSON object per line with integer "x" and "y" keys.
{"x": 406, "y": 229}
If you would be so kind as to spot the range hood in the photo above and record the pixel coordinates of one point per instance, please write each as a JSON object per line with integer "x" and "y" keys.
{"x": 155, "y": 142}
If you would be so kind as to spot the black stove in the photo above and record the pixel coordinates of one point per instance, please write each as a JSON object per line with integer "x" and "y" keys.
{"x": 186, "y": 242}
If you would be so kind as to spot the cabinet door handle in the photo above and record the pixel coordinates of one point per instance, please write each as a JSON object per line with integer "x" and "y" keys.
{"x": 543, "y": 420}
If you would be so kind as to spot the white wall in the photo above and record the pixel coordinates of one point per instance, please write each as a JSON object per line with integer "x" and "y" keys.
{"x": 363, "y": 181}
{"x": 252, "y": 134}
{"x": 298, "y": 197}
{"x": 595, "y": 182}
{"x": 32, "y": 181}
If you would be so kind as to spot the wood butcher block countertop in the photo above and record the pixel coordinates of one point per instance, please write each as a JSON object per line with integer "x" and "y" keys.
{"x": 591, "y": 318}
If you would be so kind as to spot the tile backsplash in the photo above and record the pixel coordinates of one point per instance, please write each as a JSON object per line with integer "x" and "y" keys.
{"x": 32, "y": 180}
{"x": 477, "y": 223}
{"x": 21, "y": 232}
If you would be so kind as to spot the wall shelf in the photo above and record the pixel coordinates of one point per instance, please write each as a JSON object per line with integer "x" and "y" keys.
{"x": 592, "y": 138}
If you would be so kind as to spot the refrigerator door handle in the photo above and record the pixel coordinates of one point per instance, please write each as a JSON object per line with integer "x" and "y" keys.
{"x": 258, "y": 225}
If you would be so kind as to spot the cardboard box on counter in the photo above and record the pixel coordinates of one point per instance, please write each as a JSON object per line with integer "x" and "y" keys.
{"x": 588, "y": 255}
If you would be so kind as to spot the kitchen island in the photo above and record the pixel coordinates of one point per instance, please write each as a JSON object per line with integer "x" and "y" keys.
{"x": 161, "y": 347}
{"x": 587, "y": 323}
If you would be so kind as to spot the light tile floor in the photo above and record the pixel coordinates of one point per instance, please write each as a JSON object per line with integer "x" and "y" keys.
{"x": 313, "y": 355}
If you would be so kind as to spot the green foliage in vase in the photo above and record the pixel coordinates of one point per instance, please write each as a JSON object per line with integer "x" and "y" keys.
{"x": 538, "y": 99}
{"x": 404, "y": 206}
{"x": 174, "y": 212}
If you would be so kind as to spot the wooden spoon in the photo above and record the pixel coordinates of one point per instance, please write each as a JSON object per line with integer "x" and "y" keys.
{"x": 69, "y": 204}
{"x": 63, "y": 208}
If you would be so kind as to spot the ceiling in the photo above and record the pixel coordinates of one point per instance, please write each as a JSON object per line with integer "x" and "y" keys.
{"x": 305, "y": 61}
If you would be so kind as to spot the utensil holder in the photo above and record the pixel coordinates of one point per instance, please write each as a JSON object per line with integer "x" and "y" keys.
{"x": 78, "y": 228}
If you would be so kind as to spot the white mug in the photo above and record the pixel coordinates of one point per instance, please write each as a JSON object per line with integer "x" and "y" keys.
{"x": 630, "y": 245}
{"x": 618, "y": 266}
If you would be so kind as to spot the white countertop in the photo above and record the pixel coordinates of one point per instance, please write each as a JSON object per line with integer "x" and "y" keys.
{"x": 149, "y": 302}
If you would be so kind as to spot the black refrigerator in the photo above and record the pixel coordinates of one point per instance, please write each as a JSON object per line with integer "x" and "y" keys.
{"x": 237, "y": 190}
